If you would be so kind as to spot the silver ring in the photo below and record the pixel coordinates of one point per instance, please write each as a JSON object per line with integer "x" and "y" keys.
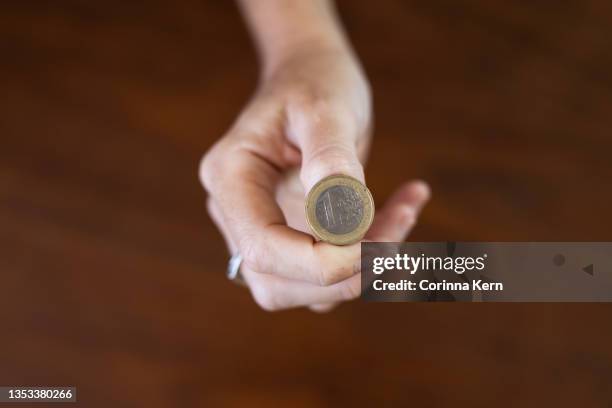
{"x": 233, "y": 269}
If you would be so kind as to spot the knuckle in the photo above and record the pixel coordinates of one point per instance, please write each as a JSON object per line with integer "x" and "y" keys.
{"x": 320, "y": 112}
{"x": 319, "y": 273}
{"x": 264, "y": 296}
{"x": 333, "y": 149}
{"x": 307, "y": 98}
{"x": 253, "y": 254}
{"x": 216, "y": 164}
{"x": 330, "y": 158}
{"x": 319, "y": 103}
{"x": 335, "y": 266}
{"x": 334, "y": 274}
{"x": 334, "y": 153}
{"x": 209, "y": 169}
{"x": 351, "y": 290}
{"x": 320, "y": 109}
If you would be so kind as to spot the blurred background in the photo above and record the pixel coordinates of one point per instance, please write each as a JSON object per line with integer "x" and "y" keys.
{"x": 112, "y": 275}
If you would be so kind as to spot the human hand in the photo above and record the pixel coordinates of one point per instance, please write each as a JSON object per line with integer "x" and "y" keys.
{"x": 310, "y": 118}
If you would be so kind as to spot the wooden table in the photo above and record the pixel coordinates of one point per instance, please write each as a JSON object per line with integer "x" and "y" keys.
{"x": 112, "y": 275}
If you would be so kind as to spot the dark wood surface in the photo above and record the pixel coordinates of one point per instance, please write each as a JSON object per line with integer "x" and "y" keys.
{"x": 111, "y": 273}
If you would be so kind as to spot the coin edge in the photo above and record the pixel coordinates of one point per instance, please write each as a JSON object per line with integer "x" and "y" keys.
{"x": 340, "y": 239}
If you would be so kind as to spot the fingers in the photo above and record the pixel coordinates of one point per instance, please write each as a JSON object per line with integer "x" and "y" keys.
{"x": 395, "y": 220}
{"x": 272, "y": 293}
{"x": 244, "y": 192}
{"x": 414, "y": 193}
{"x": 391, "y": 224}
{"x": 327, "y": 138}
{"x": 284, "y": 267}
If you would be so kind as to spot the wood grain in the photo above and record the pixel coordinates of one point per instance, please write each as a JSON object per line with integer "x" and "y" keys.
{"x": 112, "y": 274}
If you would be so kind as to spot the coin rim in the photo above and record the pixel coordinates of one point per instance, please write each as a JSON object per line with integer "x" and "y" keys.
{"x": 368, "y": 210}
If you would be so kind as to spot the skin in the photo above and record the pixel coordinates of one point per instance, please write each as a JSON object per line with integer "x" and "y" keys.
{"x": 309, "y": 118}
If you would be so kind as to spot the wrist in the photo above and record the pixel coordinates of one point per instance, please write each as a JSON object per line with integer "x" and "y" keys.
{"x": 285, "y": 29}
{"x": 303, "y": 48}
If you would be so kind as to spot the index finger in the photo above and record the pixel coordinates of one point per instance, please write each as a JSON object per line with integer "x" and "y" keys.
{"x": 244, "y": 188}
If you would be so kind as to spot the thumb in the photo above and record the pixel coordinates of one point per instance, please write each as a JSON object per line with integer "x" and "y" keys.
{"x": 328, "y": 143}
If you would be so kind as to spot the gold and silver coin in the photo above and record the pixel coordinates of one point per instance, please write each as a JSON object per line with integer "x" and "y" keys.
{"x": 339, "y": 210}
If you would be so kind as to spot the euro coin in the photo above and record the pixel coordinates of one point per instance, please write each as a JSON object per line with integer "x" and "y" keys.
{"x": 339, "y": 210}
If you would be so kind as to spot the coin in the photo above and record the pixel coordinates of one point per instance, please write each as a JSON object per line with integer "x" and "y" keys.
{"x": 339, "y": 209}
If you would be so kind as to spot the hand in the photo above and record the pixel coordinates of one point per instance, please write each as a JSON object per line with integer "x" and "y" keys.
{"x": 312, "y": 114}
